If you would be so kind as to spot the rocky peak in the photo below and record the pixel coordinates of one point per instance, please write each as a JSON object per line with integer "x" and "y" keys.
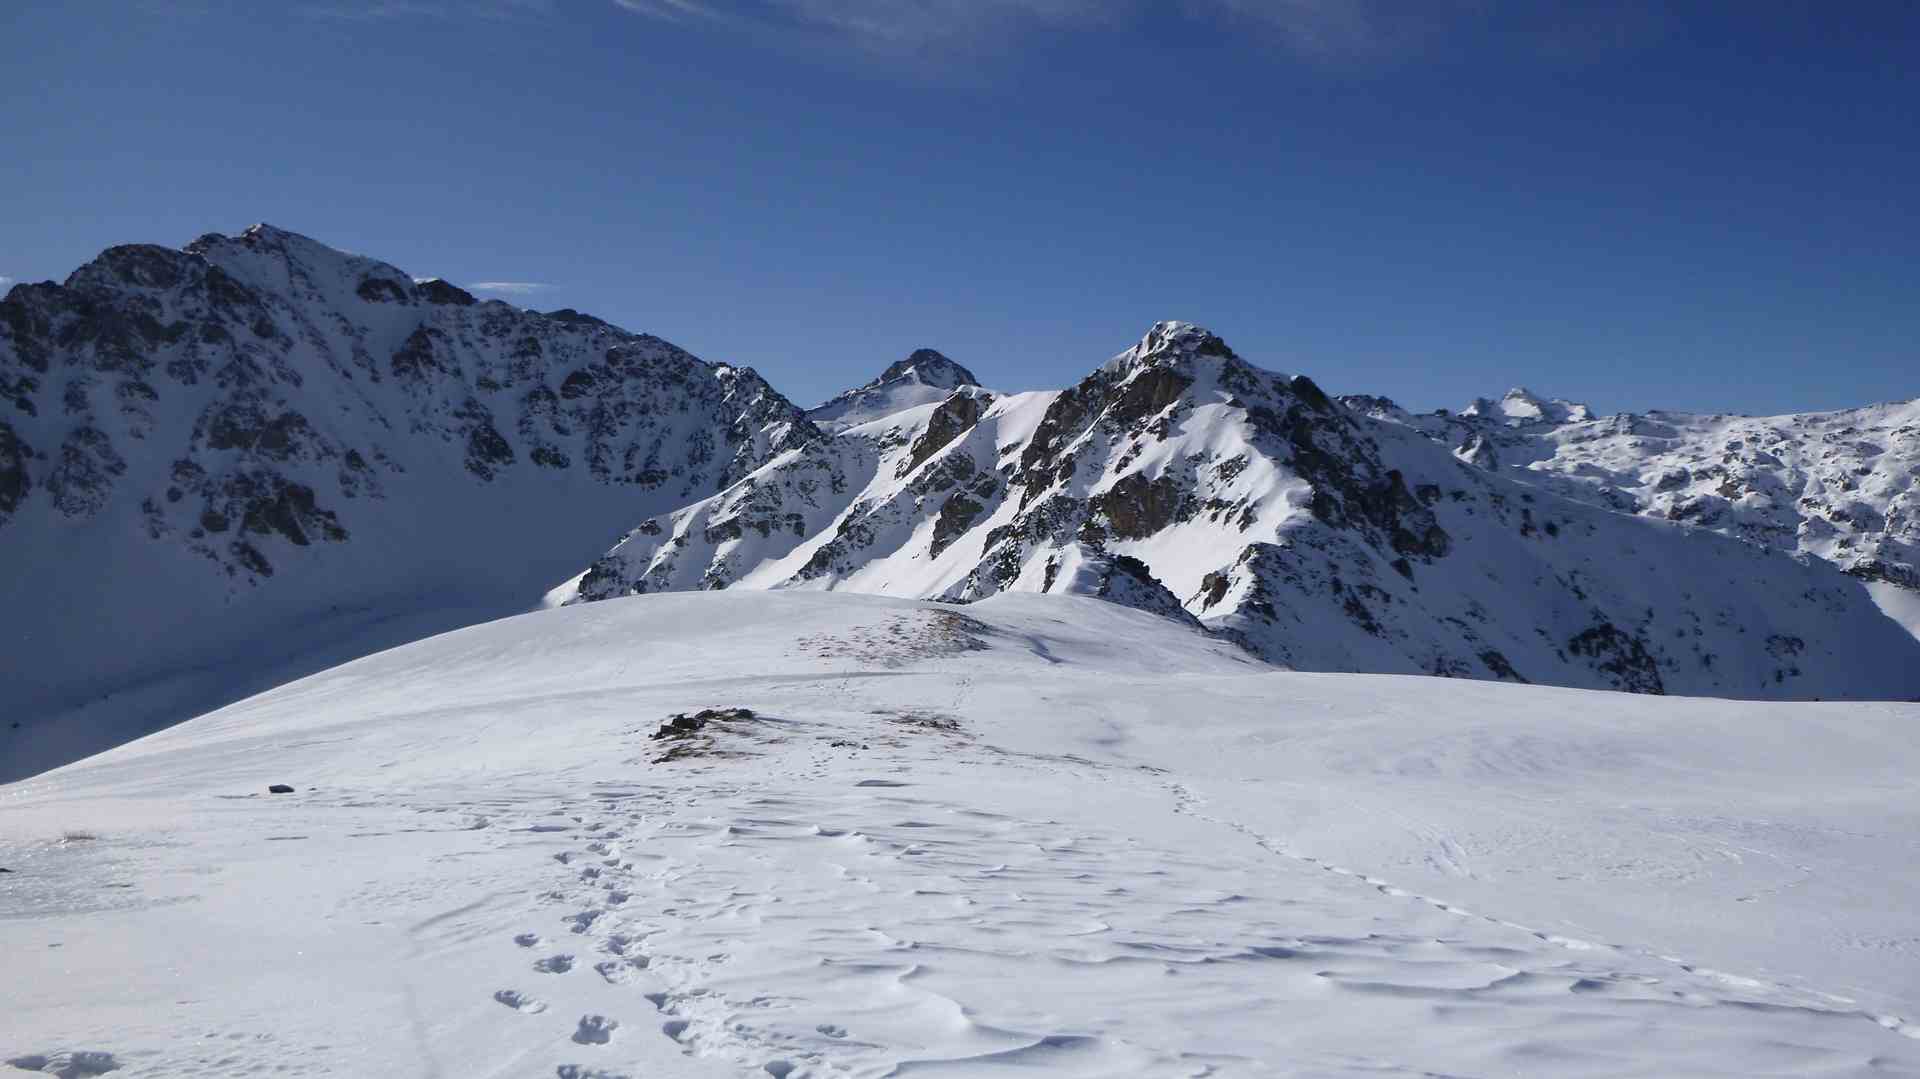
{"x": 1181, "y": 480}
{"x": 240, "y": 435}
{"x": 929, "y": 368}
{"x": 1521, "y": 406}
{"x": 923, "y": 378}
{"x": 1172, "y": 344}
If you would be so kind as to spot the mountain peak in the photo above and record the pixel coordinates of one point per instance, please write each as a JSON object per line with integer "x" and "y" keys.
{"x": 923, "y": 377}
{"x": 1520, "y": 406}
{"x": 1170, "y": 342}
{"x": 928, "y": 367}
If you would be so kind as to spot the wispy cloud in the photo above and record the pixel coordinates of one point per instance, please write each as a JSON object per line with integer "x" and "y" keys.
{"x": 1328, "y": 32}
{"x": 428, "y": 9}
{"x": 896, "y": 28}
{"x": 1344, "y": 31}
{"x": 510, "y": 288}
{"x": 6, "y": 282}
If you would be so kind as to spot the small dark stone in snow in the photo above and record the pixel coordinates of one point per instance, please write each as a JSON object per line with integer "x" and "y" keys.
{"x": 279, "y": 788}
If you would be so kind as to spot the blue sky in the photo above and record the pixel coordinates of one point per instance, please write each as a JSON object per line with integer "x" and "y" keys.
{"x": 1714, "y": 207}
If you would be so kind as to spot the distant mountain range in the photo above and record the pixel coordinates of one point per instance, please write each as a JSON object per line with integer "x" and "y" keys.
{"x": 227, "y": 464}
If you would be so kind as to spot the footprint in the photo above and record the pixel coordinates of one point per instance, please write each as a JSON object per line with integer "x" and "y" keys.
{"x": 673, "y": 1028}
{"x": 832, "y": 1030}
{"x": 520, "y": 1002}
{"x": 554, "y": 964}
{"x": 584, "y": 920}
{"x": 595, "y": 1030}
{"x": 76, "y": 1064}
{"x": 527, "y": 940}
{"x": 616, "y": 971}
{"x": 779, "y": 1069}
{"x": 574, "y": 1071}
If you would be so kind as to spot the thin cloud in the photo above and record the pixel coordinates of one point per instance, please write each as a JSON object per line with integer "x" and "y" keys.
{"x": 896, "y": 28}
{"x": 1335, "y": 33}
{"x": 1345, "y": 31}
{"x": 510, "y": 288}
{"x": 427, "y": 9}
{"x": 6, "y": 282}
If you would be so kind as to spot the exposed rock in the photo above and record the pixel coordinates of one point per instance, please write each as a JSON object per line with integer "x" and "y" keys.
{"x": 434, "y": 290}
{"x": 953, "y": 418}
{"x": 1360, "y": 545}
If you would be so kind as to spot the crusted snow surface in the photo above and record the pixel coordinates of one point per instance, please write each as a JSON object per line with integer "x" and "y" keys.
{"x": 225, "y": 465}
{"x": 1039, "y": 833}
{"x": 1319, "y": 538}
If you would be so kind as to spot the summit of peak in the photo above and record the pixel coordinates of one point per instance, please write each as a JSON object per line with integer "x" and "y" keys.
{"x": 1171, "y": 341}
{"x": 928, "y": 366}
{"x": 263, "y": 238}
{"x": 1520, "y": 406}
{"x": 924, "y": 377}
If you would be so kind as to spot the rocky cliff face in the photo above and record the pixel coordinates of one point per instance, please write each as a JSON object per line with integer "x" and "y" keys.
{"x": 205, "y": 448}
{"x": 1841, "y": 486}
{"x": 1317, "y": 537}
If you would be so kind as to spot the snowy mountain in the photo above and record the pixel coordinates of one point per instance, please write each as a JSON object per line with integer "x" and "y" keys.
{"x": 1842, "y": 486}
{"x": 1181, "y": 479}
{"x": 1037, "y": 835}
{"x": 923, "y": 378}
{"x": 1522, "y": 407}
{"x": 231, "y": 464}
{"x": 258, "y": 451}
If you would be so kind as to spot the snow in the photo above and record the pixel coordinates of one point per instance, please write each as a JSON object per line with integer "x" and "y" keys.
{"x": 1488, "y": 576}
{"x": 1035, "y": 832}
{"x": 1900, "y": 604}
{"x": 1837, "y": 485}
{"x": 1522, "y": 407}
{"x": 924, "y": 378}
{"x": 142, "y": 614}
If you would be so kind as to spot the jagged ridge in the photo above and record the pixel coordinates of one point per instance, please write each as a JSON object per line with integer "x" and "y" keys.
{"x": 231, "y": 443}
{"x": 1316, "y": 537}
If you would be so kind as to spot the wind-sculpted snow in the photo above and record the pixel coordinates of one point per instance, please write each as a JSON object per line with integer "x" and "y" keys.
{"x": 1314, "y": 536}
{"x": 1039, "y": 833}
{"x": 1841, "y": 486}
{"x": 258, "y": 442}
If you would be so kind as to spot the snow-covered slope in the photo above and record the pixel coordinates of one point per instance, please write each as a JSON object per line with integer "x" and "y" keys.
{"x": 923, "y": 378}
{"x": 257, "y": 455}
{"x": 1037, "y": 834}
{"x": 1842, "y": 486}
{"x": 1319, "y": 538}
{"x": 235, "y": 463}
